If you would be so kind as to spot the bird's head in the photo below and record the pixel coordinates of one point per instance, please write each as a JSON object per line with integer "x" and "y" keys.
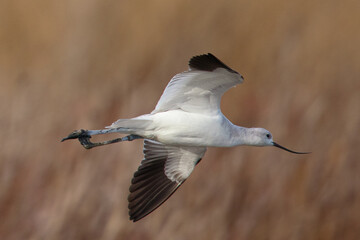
{"x": 262, "y": 137}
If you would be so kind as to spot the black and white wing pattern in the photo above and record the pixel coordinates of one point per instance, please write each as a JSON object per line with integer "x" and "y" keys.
{"x": 200, "y": 89}
{"x": 163, "y": 169}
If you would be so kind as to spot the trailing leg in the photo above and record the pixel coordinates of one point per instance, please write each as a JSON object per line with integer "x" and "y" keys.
{"x": 84, "y": 137}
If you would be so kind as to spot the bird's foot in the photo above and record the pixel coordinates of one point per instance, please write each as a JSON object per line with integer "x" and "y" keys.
{"x": 77, "y": 134}
{"x": 83, "y": 137}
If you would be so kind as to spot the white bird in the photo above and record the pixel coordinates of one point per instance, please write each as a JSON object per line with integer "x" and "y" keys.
{"x": 186, "y": 120}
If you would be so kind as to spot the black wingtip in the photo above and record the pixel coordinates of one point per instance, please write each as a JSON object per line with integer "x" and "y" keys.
{"x": 150, "y": 194}
{"x": 207, "y": 62}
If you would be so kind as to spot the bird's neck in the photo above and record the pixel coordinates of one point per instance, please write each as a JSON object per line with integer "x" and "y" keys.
{"x": 241, "y": 136}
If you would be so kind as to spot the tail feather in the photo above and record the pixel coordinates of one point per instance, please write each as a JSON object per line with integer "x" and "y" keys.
{"x": 130, "y": 123}
{"x": 139, "y": 125}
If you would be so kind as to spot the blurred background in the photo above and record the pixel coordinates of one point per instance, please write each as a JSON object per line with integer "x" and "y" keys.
{"x": 66, "y": 65}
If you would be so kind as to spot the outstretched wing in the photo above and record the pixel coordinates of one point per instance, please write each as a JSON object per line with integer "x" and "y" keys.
{"x": 161, "y": 172}
{"x": 200, "y": 89}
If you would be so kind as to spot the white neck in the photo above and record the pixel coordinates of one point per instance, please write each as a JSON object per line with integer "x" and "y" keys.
{"x": 243, "y": 136}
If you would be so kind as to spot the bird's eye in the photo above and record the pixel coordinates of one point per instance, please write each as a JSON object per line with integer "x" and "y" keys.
{"x": 268, "y": 135}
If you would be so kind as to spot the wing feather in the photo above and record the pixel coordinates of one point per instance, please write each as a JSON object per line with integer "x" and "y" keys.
{"x": 207, "y": 62}
{"x": 161, "y": 172}
{"x": 200, "y": 89}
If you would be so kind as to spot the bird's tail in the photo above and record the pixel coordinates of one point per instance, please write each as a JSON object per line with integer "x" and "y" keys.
{"x": 139, "y": 125}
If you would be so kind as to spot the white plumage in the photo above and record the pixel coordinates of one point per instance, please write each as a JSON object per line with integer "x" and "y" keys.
{"x": 186, "y": 120}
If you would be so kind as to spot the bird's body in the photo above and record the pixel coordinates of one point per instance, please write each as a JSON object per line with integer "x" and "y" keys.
{"x": 181, "y": 128}
{"x": 186, "y": 120}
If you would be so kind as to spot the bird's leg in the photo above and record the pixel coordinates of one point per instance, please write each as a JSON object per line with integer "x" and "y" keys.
{"x": 86, "y": 143}
{"x": 84, "y": 137}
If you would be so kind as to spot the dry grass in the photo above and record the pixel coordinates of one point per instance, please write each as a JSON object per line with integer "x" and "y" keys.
{"x": 66, "y": 65}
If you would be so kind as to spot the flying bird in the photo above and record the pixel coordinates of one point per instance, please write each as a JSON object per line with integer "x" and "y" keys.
{"x": 186, "y": 120}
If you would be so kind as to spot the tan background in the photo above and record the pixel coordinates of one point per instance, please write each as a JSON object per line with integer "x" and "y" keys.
{"x": 73, "y": 64}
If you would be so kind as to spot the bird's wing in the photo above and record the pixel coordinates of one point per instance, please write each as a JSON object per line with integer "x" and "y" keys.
{"x": 163, "y": 169}
{"x": 200, "y": 89}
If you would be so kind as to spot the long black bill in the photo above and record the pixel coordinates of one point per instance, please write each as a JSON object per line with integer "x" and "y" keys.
{"x": 279, "y": 146}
